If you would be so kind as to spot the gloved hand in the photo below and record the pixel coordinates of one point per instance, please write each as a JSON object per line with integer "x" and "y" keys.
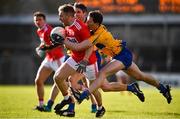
{"x": 57, "y": 39}
{"x": 43, "y": 48}
{"x": 40, "y": 53}
{"x": 82, "y": 66}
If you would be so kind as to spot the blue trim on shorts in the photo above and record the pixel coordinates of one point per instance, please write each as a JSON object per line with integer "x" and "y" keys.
{"x": 66, "y": 57}
{"x": 125, "y": 56}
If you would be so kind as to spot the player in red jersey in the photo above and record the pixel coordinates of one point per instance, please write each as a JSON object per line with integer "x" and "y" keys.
{"x": 53, "y": 59}
{"x": 76, "y": 31}
{"x": 81, "y": 14}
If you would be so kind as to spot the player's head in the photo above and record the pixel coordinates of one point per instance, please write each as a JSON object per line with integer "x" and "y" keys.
{"x": 39, "y": 19}
{"x": 66, "y": 14}
{"x": 94, "y": 19}
{"x": 80, "y": 11}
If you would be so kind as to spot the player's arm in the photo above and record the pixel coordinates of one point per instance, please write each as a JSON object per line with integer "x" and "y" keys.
{"x": 78, "y": 46}
{"x": 82, "y": 45}
{"x": 88, "y": 53}
{"x": 49, "y": 47}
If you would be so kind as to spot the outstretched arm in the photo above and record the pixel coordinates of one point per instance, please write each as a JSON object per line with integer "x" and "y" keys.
{"x": 78, "y": 46}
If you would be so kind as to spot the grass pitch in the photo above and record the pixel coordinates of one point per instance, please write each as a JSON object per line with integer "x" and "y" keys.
{"x": 18, "y": 102}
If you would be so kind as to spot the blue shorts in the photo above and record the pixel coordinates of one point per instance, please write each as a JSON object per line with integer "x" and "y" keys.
{"x": 125, "y": 56}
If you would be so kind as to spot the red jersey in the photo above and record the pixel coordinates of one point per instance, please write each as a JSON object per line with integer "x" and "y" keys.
{"x": 79, "y": 32}
{"x": 44, "y": 35}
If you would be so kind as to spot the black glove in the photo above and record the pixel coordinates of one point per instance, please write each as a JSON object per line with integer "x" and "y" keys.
{"x": 82, "y": 66}
{"x": 57, "y": 39}
{"x": 43, "y": 48}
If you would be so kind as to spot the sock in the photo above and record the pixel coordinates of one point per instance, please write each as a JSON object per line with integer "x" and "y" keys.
{"x": 71, "y": 107}
{"x": 66, "y": 97}
{"x": 41, "y": 102}
{"x": 84, "y": 94}
{"x": 93, "y": 106}
{"x": 162, "y": 88}
{"x": 129, "y": 87}
{"x": 50, "y": 103}
{"x": 99, "y": 107}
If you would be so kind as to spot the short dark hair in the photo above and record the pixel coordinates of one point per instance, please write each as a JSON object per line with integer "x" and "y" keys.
{"x": 80, "y": 6}
{"x": 67, "y": 8}
{"x": 96, "y": 16}
{"x": 40, "y": 14}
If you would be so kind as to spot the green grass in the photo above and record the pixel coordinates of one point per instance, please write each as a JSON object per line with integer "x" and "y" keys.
{"x": 18, "y": 102}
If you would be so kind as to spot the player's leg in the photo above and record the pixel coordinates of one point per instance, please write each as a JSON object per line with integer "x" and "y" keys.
{"x": 101, "y": 110}
{"x": 76, "y": 86}
{"x": 113, "y": 86}
{"x": 91, "y": 75}
{"x": 74, "y": 81}
{"x": 60, "y": 77}
{"x": 64, "y": 71}
{"x": 55, "y": 64}
{"x": 53, "y": 94}
{"x": 93, "y": 103}
{"x": 110, "y": 68}
{"x": 42, "y": 75}
{"x": 122, "y": 77}
{"x": 113, "y": 67}
{"x": 135, "y": 72}
{"x": 93, "y": 99}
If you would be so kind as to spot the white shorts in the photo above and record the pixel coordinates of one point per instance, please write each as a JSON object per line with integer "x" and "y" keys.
{"x": 54, "y": 65}
{"x": 91, "y": 70}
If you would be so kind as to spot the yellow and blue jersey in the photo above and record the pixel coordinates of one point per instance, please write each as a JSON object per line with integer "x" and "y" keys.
{"x": 105, "y": 42}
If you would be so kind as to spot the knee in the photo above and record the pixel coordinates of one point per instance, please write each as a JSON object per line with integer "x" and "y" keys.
{"x": 102, "y": 73}
{"x": 38, "y": 81}
{"x": 57, "y": 77}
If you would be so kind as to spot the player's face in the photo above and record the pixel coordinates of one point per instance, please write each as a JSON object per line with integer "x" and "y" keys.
{"x": 64, "y": 18}
{"x": 90, "y": 23}
{"x": 80, "y": 14}
{"x": 39, "y": 21}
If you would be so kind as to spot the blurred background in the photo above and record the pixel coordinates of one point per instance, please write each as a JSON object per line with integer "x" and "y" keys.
{"x": 150, "y": 27}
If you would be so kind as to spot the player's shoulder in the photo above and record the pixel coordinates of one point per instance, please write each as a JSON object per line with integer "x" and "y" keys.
{"x": 103, "y": 28}
{"x": 48, "y": 29}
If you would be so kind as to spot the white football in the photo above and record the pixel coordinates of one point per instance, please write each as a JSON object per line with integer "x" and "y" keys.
{"x": 59, "y": 31}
